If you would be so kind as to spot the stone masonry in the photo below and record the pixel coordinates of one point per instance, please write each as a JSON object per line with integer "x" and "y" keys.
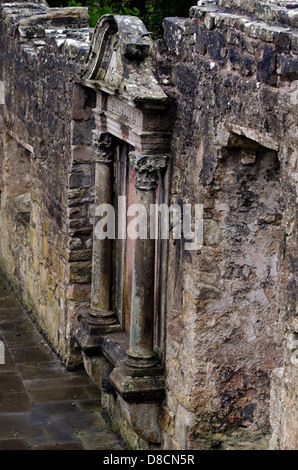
{"x": 231, "y": 307}
{"x": 47, "y": 186}
{"x": 206, "y": 115}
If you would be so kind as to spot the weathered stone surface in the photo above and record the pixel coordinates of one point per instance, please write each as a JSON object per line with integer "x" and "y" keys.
{"x": 38, "y": 110}
{"x": 228, "y": 308}
{"x": 118, "y": 72}
{"x": 34, "y": 26}
{"x": 219, "y": 361}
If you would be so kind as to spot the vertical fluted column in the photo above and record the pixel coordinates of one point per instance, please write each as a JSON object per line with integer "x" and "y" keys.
{"x": 141, "y": 353}
{"x": 102, "y": 263}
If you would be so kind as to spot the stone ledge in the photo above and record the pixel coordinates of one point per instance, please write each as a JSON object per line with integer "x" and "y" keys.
{"x": 133, "y": 385}
{"x": 70, "y": 18}
{"x": 90, "y": 346}
{"x": 23, "y": 9}
{"x": 277, "y": 11}
{"x": 255, "y": 27}
{"x": 93, "y": 343}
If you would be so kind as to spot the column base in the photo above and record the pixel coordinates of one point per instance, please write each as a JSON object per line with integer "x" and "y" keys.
{"x": 138, "y": 389}
{"x": 102, "y": 317}
{"x": 106, "y": 323}
{"x": 89, "y": 336}
{"x": 141, "y": 361}
{"x": 135, "y": 369}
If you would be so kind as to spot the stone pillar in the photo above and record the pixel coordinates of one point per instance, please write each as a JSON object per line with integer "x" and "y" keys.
{"x": 140, "y": 353}
{"x": 101, "y": 313}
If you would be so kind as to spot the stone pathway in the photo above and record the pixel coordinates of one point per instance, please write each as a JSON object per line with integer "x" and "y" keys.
{"x": 42, "y": 405}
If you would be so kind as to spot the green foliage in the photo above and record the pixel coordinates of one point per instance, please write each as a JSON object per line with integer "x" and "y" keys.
{"x": 152, "y": 12}
{"x": 99, "y": 8}
{"x": 74, "y": 3}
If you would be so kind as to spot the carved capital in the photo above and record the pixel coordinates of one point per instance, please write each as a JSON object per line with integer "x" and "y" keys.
{"x": 103, "y": 145}
{"x": 147, "y": 168}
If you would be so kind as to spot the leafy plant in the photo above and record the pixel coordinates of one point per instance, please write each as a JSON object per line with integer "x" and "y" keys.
{"x": 151, "y": 12}
{"x": 74, "y": 3}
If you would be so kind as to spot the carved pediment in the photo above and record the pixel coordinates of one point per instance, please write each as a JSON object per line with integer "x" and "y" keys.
{"x": 120, "y": 62}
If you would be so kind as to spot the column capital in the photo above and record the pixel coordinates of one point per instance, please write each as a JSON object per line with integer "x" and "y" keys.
{"x": 147, "y": 167}
{"x": 103, "y": 145}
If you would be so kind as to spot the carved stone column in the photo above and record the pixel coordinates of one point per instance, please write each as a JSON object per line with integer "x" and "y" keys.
{"x": 140, "y": 353}
{"x": 101, "y": 314}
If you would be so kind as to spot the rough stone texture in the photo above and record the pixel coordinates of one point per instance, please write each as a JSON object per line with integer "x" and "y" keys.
{"x": 230, "y": 304}
{"x": 47, "y": 192}
{"x": 231, "y": 310}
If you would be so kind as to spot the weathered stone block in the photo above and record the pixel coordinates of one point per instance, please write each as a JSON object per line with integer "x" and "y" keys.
{"x": 282, "y": 42}
{"x": 82, "y": 154}
{"x": 80, "y": 292}
{"x": 266, "y": 67}
{"x": 80, "y": 272}
{"x": 80, "y": 255}
{"x": 144, "y": 419}
{"x": 34, "y": 26}
{"x": 168, "y": 421}
{"x": 79, "y": 180}
{"x": 242, "y": 63}
{"x": 287, "y": 68}
{"x": 97, "y": 368}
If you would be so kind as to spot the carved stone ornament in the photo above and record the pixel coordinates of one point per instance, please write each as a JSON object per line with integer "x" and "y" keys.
{"x": 103, "y": 145}
{"x": 120, "y": 62}
{"x": 147, "y": 167}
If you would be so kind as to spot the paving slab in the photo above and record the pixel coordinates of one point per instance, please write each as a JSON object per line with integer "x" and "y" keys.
{"x": 21, "y": 339}
{"x": 13, "y": 444}
{"x": 31, "y": 371}
{"x": 11, "y": 382}
{"x": 42, "y": 405}
{"x": 58, "y": 394}
{"x": 20, "y": 425}
{"x": 29, "y": 354}
{"x": 14, "y": 403}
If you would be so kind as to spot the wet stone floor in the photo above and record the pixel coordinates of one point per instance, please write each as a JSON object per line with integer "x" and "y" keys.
{"x": 42, "y": 405}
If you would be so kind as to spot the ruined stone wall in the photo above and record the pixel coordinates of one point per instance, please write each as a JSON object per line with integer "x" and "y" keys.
{"x": 230, "y": 70}
{"x": 43, "y": 174}
{"x": 231, "y": 330}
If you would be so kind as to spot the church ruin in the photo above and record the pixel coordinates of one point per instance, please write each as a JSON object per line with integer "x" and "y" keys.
{"x": 192, "y": 349}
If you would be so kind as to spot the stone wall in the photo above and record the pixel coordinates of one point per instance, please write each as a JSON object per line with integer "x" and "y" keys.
{"x": 232, "y": 305}
{"x": 230, "y": 316}
{"x": 46, "y": 180}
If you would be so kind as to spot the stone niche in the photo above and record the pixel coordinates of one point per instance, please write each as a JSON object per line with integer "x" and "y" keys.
{"x": 121, "y": 337}
{"x": 248, "y": 199}
{"x": 248, "y": 209}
